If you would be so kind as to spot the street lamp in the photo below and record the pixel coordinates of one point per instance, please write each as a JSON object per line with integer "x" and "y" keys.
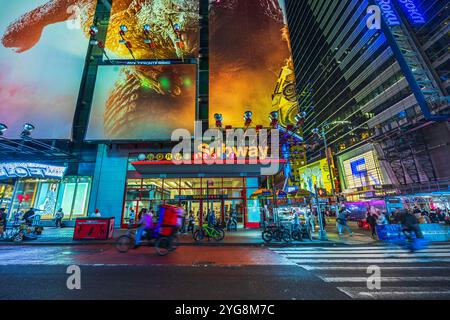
{"x": 3, "y": 128}
{"x": 27, "y": 129}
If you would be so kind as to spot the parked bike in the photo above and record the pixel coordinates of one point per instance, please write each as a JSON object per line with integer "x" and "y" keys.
{"x": 277, "y": 233}
{"x": 206, "y": 231}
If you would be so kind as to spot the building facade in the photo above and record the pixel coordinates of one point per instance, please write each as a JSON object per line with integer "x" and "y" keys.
{"x": 380, "y": 89}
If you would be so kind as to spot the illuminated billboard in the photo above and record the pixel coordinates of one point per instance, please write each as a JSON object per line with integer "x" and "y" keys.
{"x": 314, "y": 175}
{"x": 43, "y": 47}
{"x": 362, "y": 171}
{"x": 153, "y": 29}
{"x": 142, "y": 102}
{"x": 248, "y": 49}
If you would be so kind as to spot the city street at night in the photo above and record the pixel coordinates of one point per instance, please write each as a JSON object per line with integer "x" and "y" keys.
{"x": 272, "y": 154}
{"x": 218, "y": 273}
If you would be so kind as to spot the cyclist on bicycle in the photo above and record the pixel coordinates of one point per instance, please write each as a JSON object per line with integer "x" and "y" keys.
{"x": 145, "y": 224}
{"x": 410, "y": 224}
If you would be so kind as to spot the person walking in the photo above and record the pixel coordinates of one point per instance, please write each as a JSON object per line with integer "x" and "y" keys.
{"x": 59, "y": 215}
{"x": 131, "y": 218}
{"x": 342, "y": 222}
{"x": 372, "y": 222}
{"x": 96, "y": 214}
{"x": 191, "y": 222}
{"x": 3, "y": 220}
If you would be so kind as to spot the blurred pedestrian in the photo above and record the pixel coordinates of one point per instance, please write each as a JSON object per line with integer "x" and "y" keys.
{"x": 342, "y": 222}
{"x": 59, "y": 215}
{"x": 372, "y": 222}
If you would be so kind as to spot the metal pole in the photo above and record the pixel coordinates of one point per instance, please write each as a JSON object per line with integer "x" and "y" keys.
{"x": 333, "y": 190}
{"x": 322, "y": 232}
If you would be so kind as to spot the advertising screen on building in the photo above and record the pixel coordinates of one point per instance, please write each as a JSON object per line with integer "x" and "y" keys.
{"x": 142, "y": 102}
{"x": 153, "y": 29}
{"x": 315, "y": 175}
{"x": 248, "y": 49}
{"x": 362, "y": 171}
{"x": 43, "y": 47}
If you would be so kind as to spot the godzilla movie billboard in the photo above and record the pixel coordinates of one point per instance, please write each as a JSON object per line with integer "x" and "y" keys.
{"x": 248, "y": 48}
{"x": 142, "y": 102}
{"x": 155, "y": 29}
{"x": 43, "y": 47}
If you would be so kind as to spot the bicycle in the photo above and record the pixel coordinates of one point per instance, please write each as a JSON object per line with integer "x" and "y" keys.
{"x": 163, "y": 245}
{"x": 215, "y": 232}
{"x": 278, "y": 233}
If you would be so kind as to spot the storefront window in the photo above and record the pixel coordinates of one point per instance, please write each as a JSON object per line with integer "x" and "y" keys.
{"x": 46, "y": 196}
{"x": 6, "y": 194}
{"x": 73, "y": 196}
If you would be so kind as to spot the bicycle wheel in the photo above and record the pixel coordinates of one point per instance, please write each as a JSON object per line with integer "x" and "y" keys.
{"x": 18, "y": 237}
{"x": 175, "y": 242}
{"x": 163, "y": 245}
{"x": 267, "y": 236}
{"x": 287, "y": 236}
{"x": 218, "y": 234}
{"x": 199, "y": 235}
{"x": 296, "y": 235}
{"x": 124, "y": 243}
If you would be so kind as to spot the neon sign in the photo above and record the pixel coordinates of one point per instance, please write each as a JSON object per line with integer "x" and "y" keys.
{"x": 28, "y": 169}
{"x": 412, "y": 11}
{"x": 389, "y": 13}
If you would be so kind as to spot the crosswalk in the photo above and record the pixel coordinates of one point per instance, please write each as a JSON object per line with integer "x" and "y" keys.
{"x": 402, "y": 275}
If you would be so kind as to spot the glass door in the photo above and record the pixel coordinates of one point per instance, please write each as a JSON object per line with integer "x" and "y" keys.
{"x": 215, "y": 206}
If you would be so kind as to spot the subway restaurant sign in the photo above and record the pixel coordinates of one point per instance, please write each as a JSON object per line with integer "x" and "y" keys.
{"x": 207, "y": 152}
{"x": 29, "y": 169}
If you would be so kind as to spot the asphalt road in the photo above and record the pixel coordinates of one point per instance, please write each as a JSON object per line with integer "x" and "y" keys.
{"x": 237, "y": 273}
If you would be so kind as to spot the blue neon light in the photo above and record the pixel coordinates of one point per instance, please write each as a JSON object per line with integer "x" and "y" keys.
{"x": 413, "y": 12}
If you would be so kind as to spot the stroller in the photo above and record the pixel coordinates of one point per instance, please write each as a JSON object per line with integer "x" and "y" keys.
{"x": 164, "y": 234}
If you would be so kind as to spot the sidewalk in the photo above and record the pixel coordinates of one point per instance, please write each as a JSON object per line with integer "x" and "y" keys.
{"x": 56, "y": 236}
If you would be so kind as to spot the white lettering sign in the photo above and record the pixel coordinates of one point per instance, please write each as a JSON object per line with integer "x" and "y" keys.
{"x": 27, "y": 169}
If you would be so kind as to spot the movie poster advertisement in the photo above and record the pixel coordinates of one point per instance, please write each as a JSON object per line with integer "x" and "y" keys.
{"x": 155, "y": 29}
{"x": 142, "y": 102}
{"x": 43, "y": 46}
{"x": 248, "y": 49}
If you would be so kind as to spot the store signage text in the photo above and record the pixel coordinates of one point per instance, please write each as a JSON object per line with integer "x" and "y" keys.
{"x": 412, "y": 11}
{"x": 27, "y": 169}
{"x": 387, "y": 8}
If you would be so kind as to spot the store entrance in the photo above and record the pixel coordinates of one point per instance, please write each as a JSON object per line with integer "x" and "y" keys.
{"x": 215, "y": 206}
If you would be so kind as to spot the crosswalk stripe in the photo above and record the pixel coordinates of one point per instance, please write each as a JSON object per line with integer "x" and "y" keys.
{"x": 381, "y": 247}
{"x": 310, "y": 267}
{"x": 385, "y": 279}
{"x": 386, "y": 260}
{"x": 362, "y": 251}
{"x": 367, "y": 255}
{"x": 395, "y": 292}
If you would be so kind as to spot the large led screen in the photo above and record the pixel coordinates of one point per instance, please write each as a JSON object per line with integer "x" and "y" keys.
{"x": 43, "y": 47}
{"x": 248, "y": 49}
{"x": 142, "y": 102}
{"x": 153, "y": 29}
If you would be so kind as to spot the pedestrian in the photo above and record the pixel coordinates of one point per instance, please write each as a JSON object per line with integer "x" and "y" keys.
{"x": 211, "y": 219}
{"x": 131, "y": 218}
{"x": 3, "y": 220}
{"x": 191, "y": 222}
{"x": 342, "y": 222}
{"x": 59, "y": 215}
{"x": 372, "y": 222}
{"x": 141, "y": 214}
{"x": 382, "y": 219}
{"x": 96, "y": 214}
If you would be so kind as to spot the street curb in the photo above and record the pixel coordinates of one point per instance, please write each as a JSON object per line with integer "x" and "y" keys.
{"x": 200, "y": 244}
{"x": 187, "y": 244}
